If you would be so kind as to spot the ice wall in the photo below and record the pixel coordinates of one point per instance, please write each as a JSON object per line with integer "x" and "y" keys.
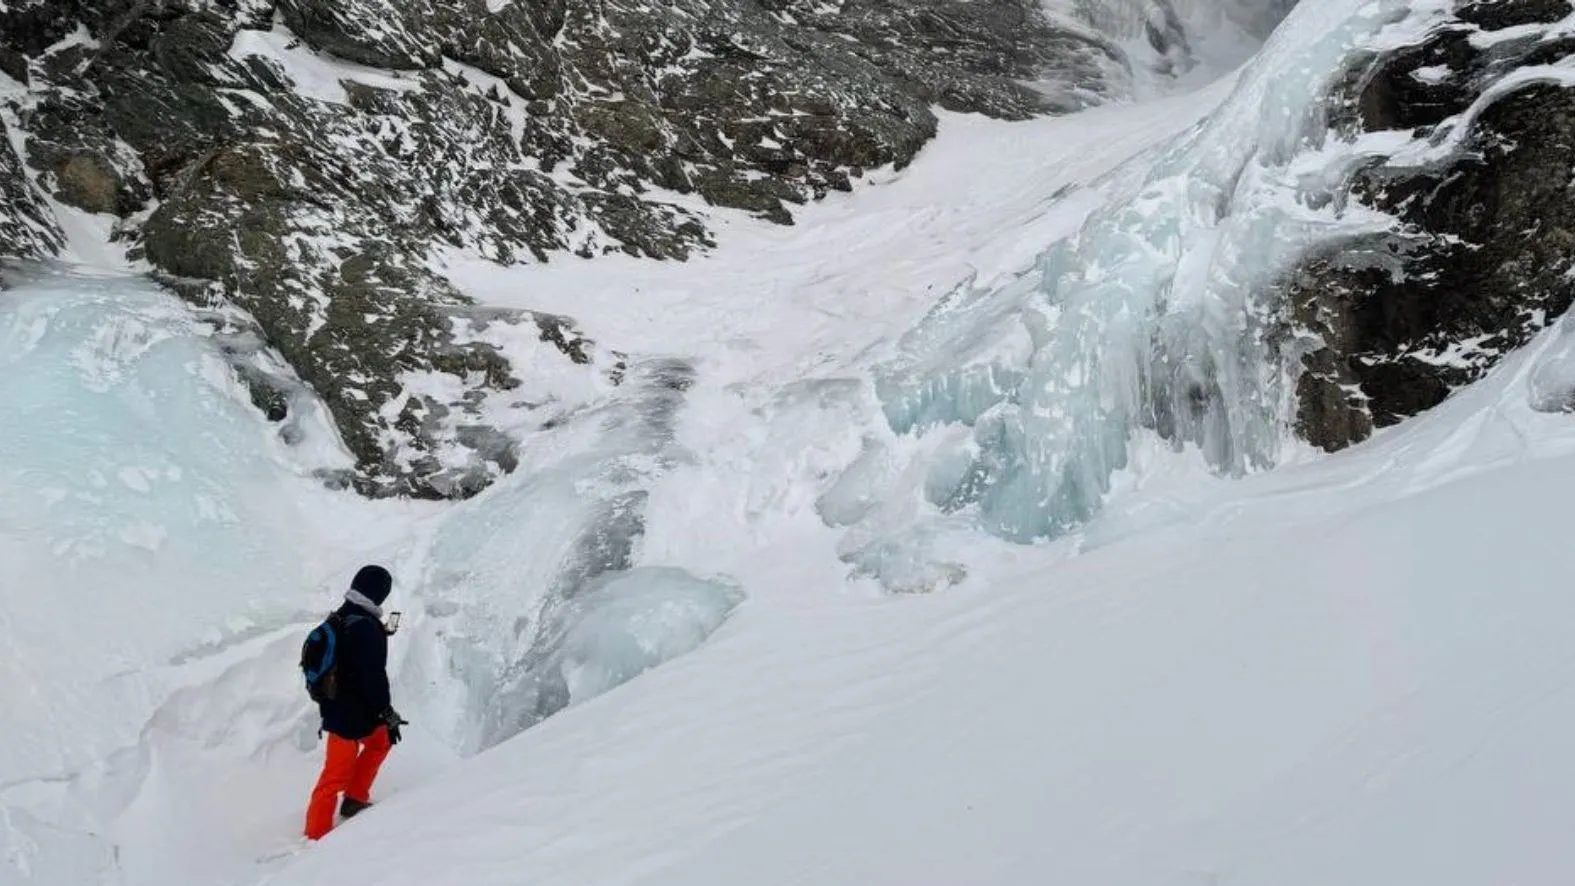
{"x": 1551, "y": 385}
{"x": 163, "y": 549}
{"x": 133, "y": 473}
{"x": 1158, "y": 318}
{"x": 532, "y": 593}
{"x": 622, "y": 624}
{"x": 148, "y": 525}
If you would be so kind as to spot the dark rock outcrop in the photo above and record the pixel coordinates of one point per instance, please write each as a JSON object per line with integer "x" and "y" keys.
{"x": 1481, "y": 255}
{"x": 27, "y": 230}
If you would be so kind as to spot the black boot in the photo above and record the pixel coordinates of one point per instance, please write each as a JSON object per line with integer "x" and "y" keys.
{"x": 350, "y": 808}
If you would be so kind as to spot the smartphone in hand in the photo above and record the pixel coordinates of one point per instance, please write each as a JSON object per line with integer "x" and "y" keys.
{"x": 392, "y": 626}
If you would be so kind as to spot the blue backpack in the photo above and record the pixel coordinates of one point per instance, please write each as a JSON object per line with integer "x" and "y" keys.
{"x": 318, "y": 663}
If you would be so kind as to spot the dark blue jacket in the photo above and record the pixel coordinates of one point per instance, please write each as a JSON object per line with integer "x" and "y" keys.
{"x": 361, "y": 661}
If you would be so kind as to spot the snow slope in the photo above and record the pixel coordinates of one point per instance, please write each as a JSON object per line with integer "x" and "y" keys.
{"x": 1355, "y": 672}
{"x": 1348, "y": 670}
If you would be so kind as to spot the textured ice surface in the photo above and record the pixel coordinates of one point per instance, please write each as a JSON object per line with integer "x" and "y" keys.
{"x": 511, "y": 639}
{"x": 623, "y": 624}
{"x": 1157, "y": 317}
{"x": 1551, "y": 387}
{"x": 132, "y": 470}
{"x": 157, "y": 575}
{"x": 149, "y": 525}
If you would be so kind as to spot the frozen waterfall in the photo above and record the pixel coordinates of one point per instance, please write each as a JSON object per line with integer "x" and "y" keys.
{"x": 1160, "y": 316}
{"x": 533, "y": 593}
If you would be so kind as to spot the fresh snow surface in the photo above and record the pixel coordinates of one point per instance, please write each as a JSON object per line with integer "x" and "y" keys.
{"x": 1354, "y": 672}
{"x": 1345, "y": 670}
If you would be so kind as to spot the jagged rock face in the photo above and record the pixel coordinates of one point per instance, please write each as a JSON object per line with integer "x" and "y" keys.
{"x": 27, "y": 230}
{"x": 1481, "y": 254}
{"x": 295, "y": 165}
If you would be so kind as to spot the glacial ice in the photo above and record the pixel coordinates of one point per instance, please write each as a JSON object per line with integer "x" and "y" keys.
{"x": 133, "y": 471}
{"x": 1158, "y": 317}
{"x": 625, "y": 623}
{"x": 149, "y": 525}
{"x": 153, "y": 528}
{"x": 534, "y": 591}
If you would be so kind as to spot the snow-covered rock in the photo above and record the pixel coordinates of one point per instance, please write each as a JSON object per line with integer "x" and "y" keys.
{"x": 1464, "y": 123}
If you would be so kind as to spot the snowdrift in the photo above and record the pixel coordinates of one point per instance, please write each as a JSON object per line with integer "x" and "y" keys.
{"x": 153, "y": 527}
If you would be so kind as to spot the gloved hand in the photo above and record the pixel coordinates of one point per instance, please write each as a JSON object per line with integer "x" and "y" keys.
{"x": 393, "y": 721}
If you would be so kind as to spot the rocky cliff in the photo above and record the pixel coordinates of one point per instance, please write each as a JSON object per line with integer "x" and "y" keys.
{"x": 1467, "y": 127}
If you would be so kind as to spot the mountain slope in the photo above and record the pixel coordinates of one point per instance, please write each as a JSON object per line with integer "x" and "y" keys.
{"x": 1096, "y": 332}
{"x": 300, "y": 163}
{"x": 184, "y": 538}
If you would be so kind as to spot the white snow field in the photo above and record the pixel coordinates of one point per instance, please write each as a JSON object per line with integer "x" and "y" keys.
{"x": 801, "y": 522}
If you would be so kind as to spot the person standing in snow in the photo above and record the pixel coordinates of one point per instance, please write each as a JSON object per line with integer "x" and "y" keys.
{"x": 360, "y": 720}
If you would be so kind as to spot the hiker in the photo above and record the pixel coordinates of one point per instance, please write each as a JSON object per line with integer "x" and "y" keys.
{"x": 351, "y": 688}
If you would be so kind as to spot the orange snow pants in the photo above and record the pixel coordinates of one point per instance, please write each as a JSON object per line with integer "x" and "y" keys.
{"x": 349, "y": 768}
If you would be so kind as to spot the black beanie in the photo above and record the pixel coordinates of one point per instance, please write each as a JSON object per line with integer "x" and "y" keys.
{"x": 374, "y": 582}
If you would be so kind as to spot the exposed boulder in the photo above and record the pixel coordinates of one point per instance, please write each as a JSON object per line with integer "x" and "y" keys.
{"x": 86, "y": 179}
